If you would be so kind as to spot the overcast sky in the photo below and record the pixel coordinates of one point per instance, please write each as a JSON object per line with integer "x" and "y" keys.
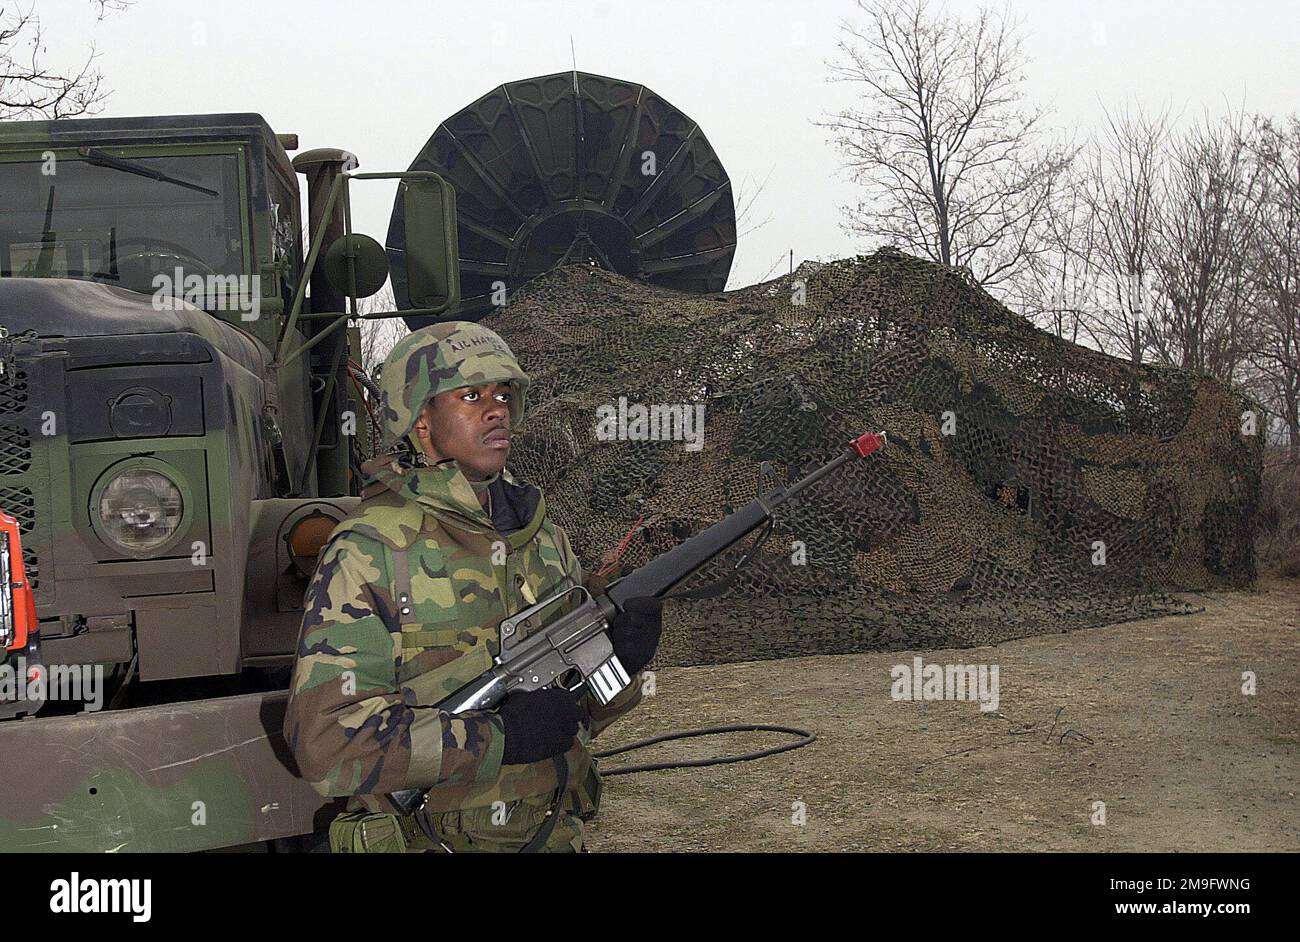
{"x": 376, "y": 77}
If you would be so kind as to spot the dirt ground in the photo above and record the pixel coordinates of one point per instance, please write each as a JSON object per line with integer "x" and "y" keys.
{"x": 1148, "y": 717}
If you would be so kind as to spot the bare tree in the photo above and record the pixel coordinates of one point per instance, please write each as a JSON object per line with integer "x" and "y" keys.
{"x": 106, "y": 7}
{"x": 29, "y": 85}
{"x": 942, "y": 142}
{"x": 1209, "y": 215}
{"x": 745, "y": 196}
{"x": 379, "y": 336}
{"x": 1124, "y": 195}
{"x": 1274, "y": 267}
{"x": 1057, "y": 287}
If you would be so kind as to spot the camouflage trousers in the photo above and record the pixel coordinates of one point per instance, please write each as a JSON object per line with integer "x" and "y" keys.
{"x": 505, "y": 827}
{"x": 501, "y": 829}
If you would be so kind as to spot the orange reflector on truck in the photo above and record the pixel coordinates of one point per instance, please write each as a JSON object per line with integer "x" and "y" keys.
{"x": 17, "y": 604}
{"x": 307, "y": 538}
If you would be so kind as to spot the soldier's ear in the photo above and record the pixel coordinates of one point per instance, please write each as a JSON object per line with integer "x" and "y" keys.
{"x": 423, "y": 432}
{"x": 422, "y": 419}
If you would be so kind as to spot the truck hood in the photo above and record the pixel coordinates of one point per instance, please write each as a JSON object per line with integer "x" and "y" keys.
{"x": 64, "y": 307}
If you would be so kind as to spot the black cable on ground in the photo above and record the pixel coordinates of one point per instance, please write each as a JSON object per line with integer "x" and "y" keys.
{"x": 804, "y": 739}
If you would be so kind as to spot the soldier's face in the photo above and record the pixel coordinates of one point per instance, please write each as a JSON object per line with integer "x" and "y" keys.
{"x": 471, "y": 425}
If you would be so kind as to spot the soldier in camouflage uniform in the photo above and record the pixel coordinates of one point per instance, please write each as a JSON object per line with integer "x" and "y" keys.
{"x": 403, "y": 611}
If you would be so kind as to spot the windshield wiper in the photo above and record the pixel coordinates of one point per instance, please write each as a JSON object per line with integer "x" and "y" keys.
{"x": 45, "y": 261}
{"x": 100, "y": 159}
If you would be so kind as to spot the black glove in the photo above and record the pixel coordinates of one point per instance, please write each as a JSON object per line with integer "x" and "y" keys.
{"x": 635, "y": 632}
{"x": 538, "y": 724}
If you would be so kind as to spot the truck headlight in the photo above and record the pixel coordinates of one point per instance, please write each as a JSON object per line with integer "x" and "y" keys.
{"x": 139, "y": 510}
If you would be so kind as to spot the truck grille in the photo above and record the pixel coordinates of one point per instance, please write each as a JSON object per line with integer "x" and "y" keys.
{"x": 13, "y": 392}
{"x": 19, "y": 504}
{"x": 15, "y": 450}
{"x": 15, "y": 460}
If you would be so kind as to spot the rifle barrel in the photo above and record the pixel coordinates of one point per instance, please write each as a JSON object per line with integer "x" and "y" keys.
{"x": 661, "y": 574}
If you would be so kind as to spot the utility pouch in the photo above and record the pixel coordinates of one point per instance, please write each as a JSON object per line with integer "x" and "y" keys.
{"x": 588, "y": 792}
{"x": 366, "y": 832}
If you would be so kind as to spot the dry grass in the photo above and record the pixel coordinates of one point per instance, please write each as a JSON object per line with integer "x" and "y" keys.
{"x": 1149, "y": 717}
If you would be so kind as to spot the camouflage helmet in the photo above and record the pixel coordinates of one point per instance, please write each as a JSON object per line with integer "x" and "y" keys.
{"x": 438, "y": 359}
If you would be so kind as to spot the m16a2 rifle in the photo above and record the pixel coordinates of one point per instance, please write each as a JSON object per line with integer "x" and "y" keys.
{"x": 575, "y": 650}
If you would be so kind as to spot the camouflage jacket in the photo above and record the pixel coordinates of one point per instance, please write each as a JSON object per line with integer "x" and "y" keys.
{"x": 403, "y": 611}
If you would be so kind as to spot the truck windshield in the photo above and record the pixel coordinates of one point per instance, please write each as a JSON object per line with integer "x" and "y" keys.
{"x": 73, "y": 219}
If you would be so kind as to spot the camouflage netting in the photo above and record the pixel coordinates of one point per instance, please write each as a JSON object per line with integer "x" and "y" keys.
{"x": 958, "y": 539}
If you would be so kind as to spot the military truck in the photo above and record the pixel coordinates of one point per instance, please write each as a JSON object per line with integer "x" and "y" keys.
{"x": 182, "y": 415}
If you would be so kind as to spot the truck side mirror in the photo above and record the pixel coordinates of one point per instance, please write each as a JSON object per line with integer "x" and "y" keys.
{"x": 423, "y": 249}
{"x": 368, "y": 264}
